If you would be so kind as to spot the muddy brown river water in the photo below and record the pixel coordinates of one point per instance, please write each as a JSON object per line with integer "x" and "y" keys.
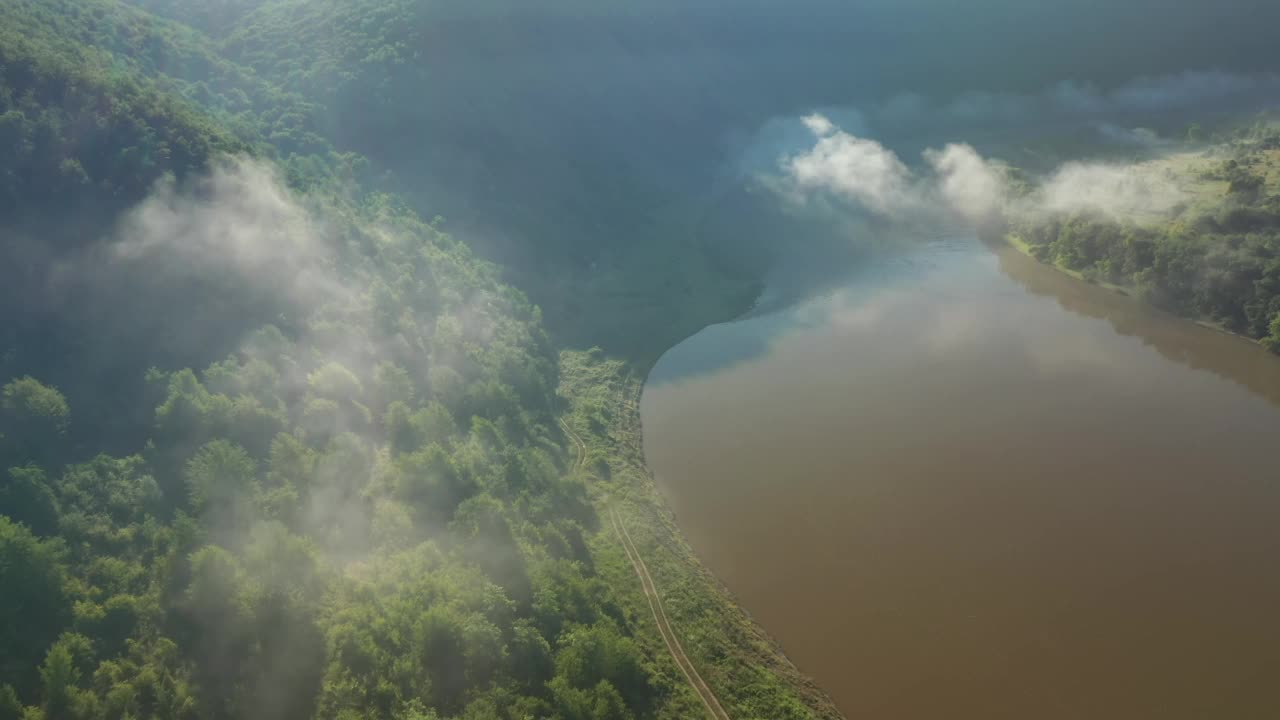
{"x": 963, "y": 485}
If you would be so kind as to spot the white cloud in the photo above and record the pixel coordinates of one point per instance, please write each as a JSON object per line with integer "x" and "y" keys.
{"x": 819, "y": 124}
{"x": 859, "y": 170}
{"x": 967, "y": 182}
{"x": 240, "y": 218}
{"x": 960, "y": 182}
{"x": 867, "y": 174}
{"x": 1117, "y": 190}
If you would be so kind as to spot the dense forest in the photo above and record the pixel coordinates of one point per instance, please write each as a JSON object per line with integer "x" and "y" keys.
{"x": 273, "y": 446}
{"x": 1214, "y": 256}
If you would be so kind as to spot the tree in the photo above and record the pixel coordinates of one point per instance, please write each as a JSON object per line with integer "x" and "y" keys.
{"x": 60, "y": 680}
{"x": 439, "y": 636}
{"x": 34, "y": 605}
{"x": 290, "y": 469}
{"x": 34, "y": 420}
{"x": 592, "y": 655}
{"x": 398, "y": 428}
{"x": 121, "y": 491}
{"x": 391, "y": 383}
{"x": 1272, "y": 340}
{"x": 530, "y": 659}
{"x": 284, "y": 672}
{"x": 434, "y": 423}
{"x": 218, "y": 627}
{"x": 1245, "y": 184}
{"x": 10, "y": 705}
{"x": 28, "y": 499}
{"x": 221, "y": 480}
{"x": 431, "y": 482}
{"x": 487, "y": 542}
{"x": 37, "y": 402}
{"x": 112, "y": 623}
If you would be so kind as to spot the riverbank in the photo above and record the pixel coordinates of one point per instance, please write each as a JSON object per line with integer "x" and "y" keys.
{"x": 745, "y": 669}
{"x": 1206, "y": 252}
{"x": 1016, "y": 242}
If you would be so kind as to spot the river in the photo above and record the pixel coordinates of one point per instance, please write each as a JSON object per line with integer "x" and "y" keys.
{"x": 960, "y": 484}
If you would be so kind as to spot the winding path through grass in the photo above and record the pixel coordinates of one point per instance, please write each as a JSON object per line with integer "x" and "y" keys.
{"x": 709, "y": 700}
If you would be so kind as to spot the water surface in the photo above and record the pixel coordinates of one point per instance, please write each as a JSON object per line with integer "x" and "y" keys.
{"x": 963, "y": 485}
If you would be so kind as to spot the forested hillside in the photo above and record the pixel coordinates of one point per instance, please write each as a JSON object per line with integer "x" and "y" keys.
{"x": 271, "y": 445}
{"x": 465, "y": 106}
{"x": 1214, "y": 255}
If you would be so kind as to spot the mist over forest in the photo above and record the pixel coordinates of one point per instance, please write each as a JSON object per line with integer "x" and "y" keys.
{"x": 321, "y": 317}
{"x": 624, "y": 109}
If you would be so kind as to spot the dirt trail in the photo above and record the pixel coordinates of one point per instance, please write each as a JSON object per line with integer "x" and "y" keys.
{"x": 664, "y": 626}
{"x": 581, "y": 460}
{"x": 709, "y": 700}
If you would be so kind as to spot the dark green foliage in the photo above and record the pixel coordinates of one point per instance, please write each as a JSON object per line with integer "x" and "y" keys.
{"x": 27, "y": 498}
{"x": 33, "y": 420}
{"x": 61, "y": 675}
{"x": 85, "y": 139}
{"x": 10, "y": 706}
{"x": 213, "y": 16}
{"x": 34, "y": 607}
{"x": 31, "y": 402}
{"x": 487, "y": 541}
{"x": 591, "y": 656}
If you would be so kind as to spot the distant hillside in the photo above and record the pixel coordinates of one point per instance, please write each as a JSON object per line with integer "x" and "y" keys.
{"x": 85, "y": 135}
{"x": 1214, "y": 255}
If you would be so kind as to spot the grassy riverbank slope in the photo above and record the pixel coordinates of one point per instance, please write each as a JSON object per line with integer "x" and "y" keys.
{"x": 742, "y": 665}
